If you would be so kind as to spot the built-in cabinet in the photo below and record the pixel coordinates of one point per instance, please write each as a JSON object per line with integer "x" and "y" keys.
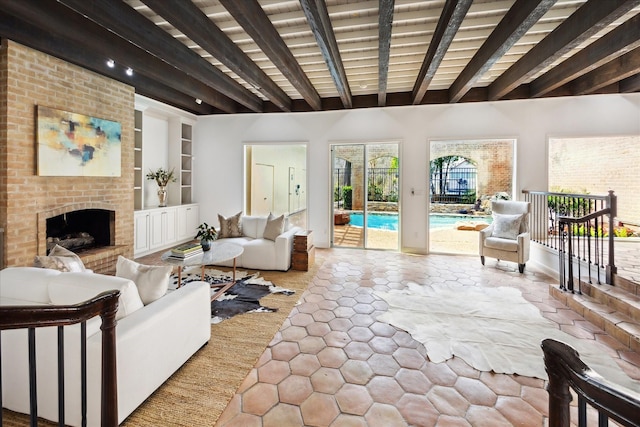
{"x": 157, "y": 228}
{"x": 181, "y": 159}
{"x": 161, "y": 228}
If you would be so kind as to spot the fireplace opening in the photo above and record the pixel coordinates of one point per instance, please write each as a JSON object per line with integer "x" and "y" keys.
{"x": 81, "y": 229}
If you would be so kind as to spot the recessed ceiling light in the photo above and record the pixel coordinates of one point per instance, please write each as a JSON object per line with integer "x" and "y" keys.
{"x": 363, "y": 85}
{"x": 198, "y": 101}
{"x": 129, "y": 71}
{"x": 111, "y": 63}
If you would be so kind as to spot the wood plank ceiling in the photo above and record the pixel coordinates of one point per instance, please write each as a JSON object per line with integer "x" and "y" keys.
{"x": 236, "y": 56}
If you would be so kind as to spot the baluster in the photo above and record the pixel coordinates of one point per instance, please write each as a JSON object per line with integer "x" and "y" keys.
{"x": 33, "y": 392}
{"x": 61, "y": 416}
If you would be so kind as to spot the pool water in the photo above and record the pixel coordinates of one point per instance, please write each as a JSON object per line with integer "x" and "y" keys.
{"x": 376, "y": 220}
{"x": 390, "y": 221}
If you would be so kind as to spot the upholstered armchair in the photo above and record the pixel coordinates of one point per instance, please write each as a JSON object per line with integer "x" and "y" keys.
{"x": 507, "y": 237}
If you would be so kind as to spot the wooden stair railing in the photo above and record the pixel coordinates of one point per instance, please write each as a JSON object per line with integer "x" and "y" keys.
{"x": 104, "y": 305}
{"x": 566, "y": 370}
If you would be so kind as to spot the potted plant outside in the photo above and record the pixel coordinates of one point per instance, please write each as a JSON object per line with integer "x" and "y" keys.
{"x": 206, "y": 234}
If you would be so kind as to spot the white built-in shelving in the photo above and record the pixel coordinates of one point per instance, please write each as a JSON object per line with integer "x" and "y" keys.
{"x": 138, "y": 171}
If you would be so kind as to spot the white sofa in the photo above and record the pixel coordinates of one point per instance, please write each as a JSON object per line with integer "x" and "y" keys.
{"x": 260, "y": 253}
{"x": 152, "y": 341}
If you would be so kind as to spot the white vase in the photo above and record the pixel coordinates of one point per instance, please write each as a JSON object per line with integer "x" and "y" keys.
{"x": 162, "y": 196}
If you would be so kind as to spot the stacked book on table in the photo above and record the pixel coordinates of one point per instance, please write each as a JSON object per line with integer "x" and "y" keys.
{"x": 186, "y": 251}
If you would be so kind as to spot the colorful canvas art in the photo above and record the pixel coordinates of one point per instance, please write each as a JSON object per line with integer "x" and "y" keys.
{"x": 71, "y": 144}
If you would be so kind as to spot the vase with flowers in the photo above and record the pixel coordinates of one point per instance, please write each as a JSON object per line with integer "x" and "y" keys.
{"x": 207, "y": 234}
{"x": 162, "y": 177}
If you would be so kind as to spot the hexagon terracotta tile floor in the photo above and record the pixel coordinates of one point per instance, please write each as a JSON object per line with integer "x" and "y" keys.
{"x": 333, "y": 364}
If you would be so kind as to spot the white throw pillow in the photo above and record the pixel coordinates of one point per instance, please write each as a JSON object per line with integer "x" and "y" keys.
{"x": 506, "y": 226}
{"x": 60, "y": 259}
{"x": 74, "y": 288}
{"x": 152, "y": 281}
{"x": 274, "y": 227}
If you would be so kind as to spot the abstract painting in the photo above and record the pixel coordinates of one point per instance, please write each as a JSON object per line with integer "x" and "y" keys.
{"x": 71, "y": 144}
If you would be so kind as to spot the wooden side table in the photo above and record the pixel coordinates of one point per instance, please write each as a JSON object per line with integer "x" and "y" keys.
{"x": 304, "y": 252}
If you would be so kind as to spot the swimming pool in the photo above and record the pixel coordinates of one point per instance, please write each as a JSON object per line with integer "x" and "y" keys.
{"x": 384, "y": 221}
{"x": 448, "y": 221}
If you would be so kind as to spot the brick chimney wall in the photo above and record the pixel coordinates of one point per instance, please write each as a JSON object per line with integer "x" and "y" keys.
{"x": 29, "y": 78}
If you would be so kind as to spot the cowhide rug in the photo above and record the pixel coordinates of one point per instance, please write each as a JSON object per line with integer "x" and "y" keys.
{"x": 243, "y": 297}
{"x": 492, "y": 329}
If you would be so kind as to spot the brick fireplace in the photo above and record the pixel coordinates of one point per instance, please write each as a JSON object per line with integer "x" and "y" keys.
{"x": 29, "y": 78}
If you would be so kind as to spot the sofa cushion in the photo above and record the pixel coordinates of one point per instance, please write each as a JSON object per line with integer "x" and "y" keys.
{"x": 259, "y": 254}
{"x": 230, "y": 227}
{"x": 253, "y": 226}
{"x": 152, "y": 281}
{"x": 26, "y": 283}
{"x": 274, "y": 227}
{"x": 74, "y": 288}
{"x": 61, "y": 259}
{"x": 506, "y": 226}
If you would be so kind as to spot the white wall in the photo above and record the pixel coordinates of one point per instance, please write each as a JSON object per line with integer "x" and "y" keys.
{"x": 219, "y": 143}
{"x": 155, "y": 143}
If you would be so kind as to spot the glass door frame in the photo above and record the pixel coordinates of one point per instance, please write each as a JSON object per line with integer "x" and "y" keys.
{"x": 365, "y": 199}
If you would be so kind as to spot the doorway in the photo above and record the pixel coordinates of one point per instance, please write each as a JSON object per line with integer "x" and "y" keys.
{"x": 464, "y": 176}
{"x": 276, "y": 181}
{"x": 365, "y": 191}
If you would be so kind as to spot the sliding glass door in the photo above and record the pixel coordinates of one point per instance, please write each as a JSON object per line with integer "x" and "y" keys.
{"x": 365, "y": 186}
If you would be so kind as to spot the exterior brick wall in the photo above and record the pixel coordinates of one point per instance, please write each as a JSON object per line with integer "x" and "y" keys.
{"x": 493, "y": 160}
{"x": 594, "y": 166}
{"x": 29, "y": 78}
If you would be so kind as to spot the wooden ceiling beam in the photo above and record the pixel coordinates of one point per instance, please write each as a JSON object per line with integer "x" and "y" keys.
{"x": 250, "y": 15}
{"x": 385, "y": 19}
{"x": 620, "y": 68}
{"x": 451, "y": 18}
{"x": 26, "y": 34}
{"x": 320, "y": 23}
{"x": 613, "y": 44}
{"x": 588, "y": 20}
{"x": 191, "y": 21}
{"x": 630, "y": 84}
{"x": 125, "y": 21}
{"x": 60, "y": 21}
{"x": 515, "y": 23}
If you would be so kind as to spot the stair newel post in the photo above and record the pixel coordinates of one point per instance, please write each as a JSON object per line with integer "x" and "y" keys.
{"x": 109, "y": 416}
{"x": 558, "y": 387}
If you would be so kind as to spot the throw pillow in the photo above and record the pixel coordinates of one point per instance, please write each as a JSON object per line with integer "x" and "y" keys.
{"x": 506, "y": 226}
{"x": 152, "y": 281}
{"x": 60, "y": 259}
{"x": 274, "y": 227}
{"x": 230, "y": 227}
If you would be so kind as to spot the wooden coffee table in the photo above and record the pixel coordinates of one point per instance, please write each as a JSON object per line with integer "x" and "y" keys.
{"x": 219, "y": 252}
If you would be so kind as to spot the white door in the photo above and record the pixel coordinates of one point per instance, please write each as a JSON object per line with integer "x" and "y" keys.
{"x": 262, "y": 189}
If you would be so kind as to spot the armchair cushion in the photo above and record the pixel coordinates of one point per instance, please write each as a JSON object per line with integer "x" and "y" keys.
{"x": 501, "y": 244}
{"x": 506, "y": 226}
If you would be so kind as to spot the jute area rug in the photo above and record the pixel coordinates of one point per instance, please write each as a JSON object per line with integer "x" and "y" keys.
{"x": 200, "y": 390}
{"x": 492, "y": 329}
